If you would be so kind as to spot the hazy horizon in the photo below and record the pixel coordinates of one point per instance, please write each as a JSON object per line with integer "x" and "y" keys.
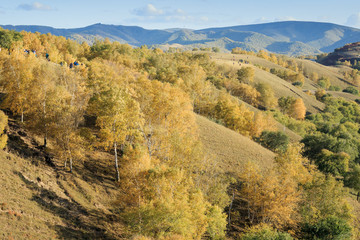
{"x": 175, "y": 26}
{"x": 161, "y": 14}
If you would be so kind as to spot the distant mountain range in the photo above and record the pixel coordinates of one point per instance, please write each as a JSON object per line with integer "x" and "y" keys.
{"x": 290, "y": 37}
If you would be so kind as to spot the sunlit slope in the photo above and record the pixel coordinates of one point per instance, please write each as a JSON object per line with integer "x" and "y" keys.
{"x": 333, "y": 73}
{"x": 280, "y": 86}
{"x": 346, "y": 96}
{"x": 231, "y": 149}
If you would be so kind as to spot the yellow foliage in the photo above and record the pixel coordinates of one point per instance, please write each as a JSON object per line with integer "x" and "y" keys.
{"x": 261, "y": 123}
{"x": 3, "y": 126}
{"x": 270, "y": 197}
{"x": 168, "y": 204}
{"x": 298, "y": 109}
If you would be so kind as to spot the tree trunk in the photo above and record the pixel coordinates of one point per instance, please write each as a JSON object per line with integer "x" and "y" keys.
{"x": 45, "y": 140}
{"x": 231, "y": 203}
{"x": 116, "y": 163}
{"x": 22, "y": 116}
{"x": 71, "y": 164}
{"x": 45, "y": 125}
{"x": 70, "y": 160}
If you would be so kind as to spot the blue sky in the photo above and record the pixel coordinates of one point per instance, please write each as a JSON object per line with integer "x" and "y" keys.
{"x": 160, "y": 14}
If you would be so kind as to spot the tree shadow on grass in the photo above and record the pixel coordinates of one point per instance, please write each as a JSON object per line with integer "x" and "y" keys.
{"x": 79, "y": 223}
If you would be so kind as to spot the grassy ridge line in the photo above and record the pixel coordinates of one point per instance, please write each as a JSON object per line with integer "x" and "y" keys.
{"x": 230, "y": 149}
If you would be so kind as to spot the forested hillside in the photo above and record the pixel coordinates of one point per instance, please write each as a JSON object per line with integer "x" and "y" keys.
{"x": 113, "y": 142}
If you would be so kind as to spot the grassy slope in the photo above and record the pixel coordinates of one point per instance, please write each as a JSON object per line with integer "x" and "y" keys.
{"x": 38, "y": 201}
{"x": 230, "y": 149}
{"x": 280, "y": 86}
{"x": 346, "y": 96}
{"x": 21, "y": 215}
{"x": 333, "y": 73}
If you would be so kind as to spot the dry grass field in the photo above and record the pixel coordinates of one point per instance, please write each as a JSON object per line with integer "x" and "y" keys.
{"x": 230, "y": 149}
{"x": 346, "y": 96}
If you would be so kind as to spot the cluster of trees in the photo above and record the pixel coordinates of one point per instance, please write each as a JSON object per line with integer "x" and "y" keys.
{"x": 334, "y": 146}
{"x": 352, "y": 77}
{"x": 291, "y": 197}
{"x": 209, "y": 85}
{"x": 8, "y": 37}
{"x": 148, "y": 124}
{"x": 294, "y": 108}
{"x": 290, "y": 76}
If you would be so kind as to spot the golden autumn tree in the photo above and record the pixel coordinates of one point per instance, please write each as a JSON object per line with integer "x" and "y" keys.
{"x": 169, "y": 206}
{"x": 267, "y": 196}
{"x": 262, "y": 122}
{"x": 16, "y": 80}
{"x": 246, "y": 92}
{"x": 246, "y": 74}
{"x": 235, "y": 116}
{"x": 168, "y": 119}
{"x": 72, "y": 98}
{"x": 118, "y": 114}
{"x": 118, "y": 118}
{"x": 44, "y": 99}
{"x": 298, "y": 109}
{"x": 31, "y": 42}
{"x": 267, "y": 97}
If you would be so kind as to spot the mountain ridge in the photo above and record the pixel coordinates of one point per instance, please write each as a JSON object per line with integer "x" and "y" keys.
{"x": 288, "y": 37}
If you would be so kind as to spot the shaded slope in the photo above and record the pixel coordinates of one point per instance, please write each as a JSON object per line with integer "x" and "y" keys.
{"x": 38, "y": 201}
{"x": 350, "y": 52}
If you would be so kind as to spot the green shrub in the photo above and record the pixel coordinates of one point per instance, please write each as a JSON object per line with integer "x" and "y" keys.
{"x": 351, "y": 90}
{"x": 275, "y": 141}
{"x": 300, "y": 84}
{"x": 264, "y": 232}
{"x": 331, "y": 228}
{"x": 334, "y": 88}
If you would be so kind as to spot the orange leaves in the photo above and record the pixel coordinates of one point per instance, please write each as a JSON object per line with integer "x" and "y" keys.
{"x": 269, "y": 197}
{"x": 298, "y": 109}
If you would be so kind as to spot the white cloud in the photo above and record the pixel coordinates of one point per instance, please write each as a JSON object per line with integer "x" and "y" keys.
{"x": 148, "y": 11}
{"x": 353, "y": 20}
{"x": 35, "y": 6}
{"x": 262, "y": 20}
